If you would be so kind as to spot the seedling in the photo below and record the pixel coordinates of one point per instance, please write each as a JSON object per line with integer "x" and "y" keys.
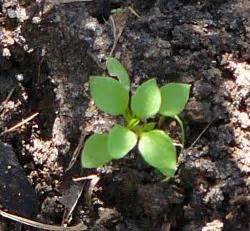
{"x": 111, "y": 94}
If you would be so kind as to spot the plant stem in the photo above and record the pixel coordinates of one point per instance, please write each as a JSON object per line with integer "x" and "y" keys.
{"x": 127, "y": 115}
{"x": 182, "y": 131}
{"x": 137, "y": 130}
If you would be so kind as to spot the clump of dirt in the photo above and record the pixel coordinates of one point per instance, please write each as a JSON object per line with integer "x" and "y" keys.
{"x": 48, "y": 53}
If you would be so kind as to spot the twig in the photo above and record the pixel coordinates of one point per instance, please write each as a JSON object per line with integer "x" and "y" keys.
{"x": 20, "y": 124}
{"x": 7, "y": 99}
{"x": 67, "y": 215}
{"x": 92, "y": 184}
{"x": 203, "y": 131}
{"x": 116, "y": 34}
{"x": 9, "y": 95}
{"x": 84, "y": 178}
{"x": 43, "y": 52}
{"x": 134, "y": 12}
{"x": 93, "y": 181}
{"x": 113, "y": 26}
{"x": 77, "y": 151}
{"x": 41, "y": 225}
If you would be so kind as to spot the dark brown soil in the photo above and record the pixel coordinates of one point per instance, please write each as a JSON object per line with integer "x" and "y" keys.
{"x": 46, "y": 58}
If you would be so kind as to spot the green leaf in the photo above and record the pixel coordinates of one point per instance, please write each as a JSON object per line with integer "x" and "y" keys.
{"x": 147, "y": 100}
{"x": 109, "y": 95}
{"x": 174, "y": 98}
{"x": 115, "y": 68}
{"x": 168, "y": 171}
{"x": 95, "y": 153}
{"x": 148, "y": 127}
{"x": 133, "y": 123}
{"x": 120, "y": 141}
{"x": 158, "y": 150}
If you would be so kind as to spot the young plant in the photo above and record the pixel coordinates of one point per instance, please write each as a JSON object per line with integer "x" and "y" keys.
{"x": 111, "y": 94}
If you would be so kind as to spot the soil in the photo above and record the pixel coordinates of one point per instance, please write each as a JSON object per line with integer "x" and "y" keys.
{"x": 48, "y": 51}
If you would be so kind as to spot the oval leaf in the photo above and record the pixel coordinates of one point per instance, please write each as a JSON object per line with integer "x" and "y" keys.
{"x": 174, "y": 98}
{"x": 147, "y": 100}
{"x": 148, "y": 127}
{"x": 168, "y": 171}
{"x": 115, "y": 68}
{"x": 109, "y": 95}
{"x": 95, "y": 153}
{"x": 120, "y": 141}
{"x": 158, "y": 150}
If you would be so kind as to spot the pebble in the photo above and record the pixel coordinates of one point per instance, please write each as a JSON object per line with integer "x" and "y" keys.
{"x": 244, "y": 120}
{"x": 6, "y": 52}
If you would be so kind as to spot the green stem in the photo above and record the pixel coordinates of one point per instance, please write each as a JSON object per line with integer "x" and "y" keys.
{"x": 137, "y": 130}
{"x": 182, "y": 130}
{"x": 127, "y": 115}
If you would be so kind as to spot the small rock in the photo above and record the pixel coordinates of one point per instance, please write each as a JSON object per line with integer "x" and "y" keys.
{"x": 244, "y": 120}
{"x": 19, "y": 77}
{"x": 36, "y": 20}
{"x": 6, "y": 52}
{"x": 215, "y": 225}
